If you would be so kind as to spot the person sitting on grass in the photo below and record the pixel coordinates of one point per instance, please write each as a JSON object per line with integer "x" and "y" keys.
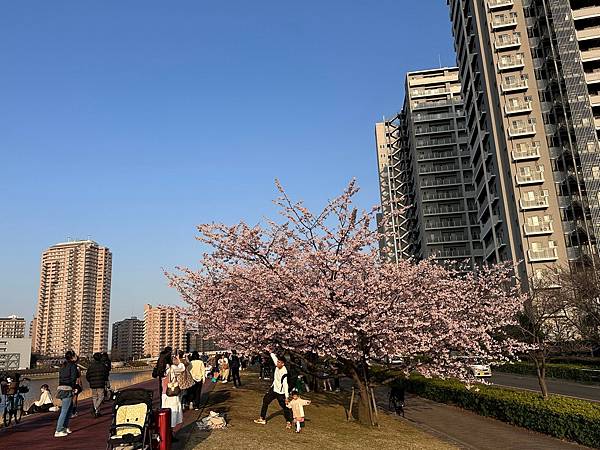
{"x": 279, "y": 391}
{"x": 297, "y": 404}
{"x": 44, "y": 403}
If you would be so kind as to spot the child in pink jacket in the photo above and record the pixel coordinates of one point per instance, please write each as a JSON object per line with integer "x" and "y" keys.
{"x": 297, "y": 404}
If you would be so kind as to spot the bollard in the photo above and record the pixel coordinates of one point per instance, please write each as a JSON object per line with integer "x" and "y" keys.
{"x": 162, "y": 424}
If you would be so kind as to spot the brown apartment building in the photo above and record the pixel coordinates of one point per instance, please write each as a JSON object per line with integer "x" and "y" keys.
{"x": 163, "y": 326}
{"x": 74, "y": 299}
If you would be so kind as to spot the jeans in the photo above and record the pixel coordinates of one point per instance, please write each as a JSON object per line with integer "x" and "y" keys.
{"x": 268, "y": 398}
{"x": 65, "y": 413}
{"x": 235, "y": 375}
{"x": 97, "y": 398}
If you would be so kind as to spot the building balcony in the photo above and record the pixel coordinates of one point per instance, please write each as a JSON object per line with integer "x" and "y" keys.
{"x": 451, "y": 253}
{"x": 588, "y": 33}
{"x": 430, "y": 130}
{"x": 522, "y": 130}
{"x": 518, "y": 106}
{"x": 453, "y": 209}
{"x": 592, "y": 54}
{"x": 440, "y": 224}
{"x": 584, "y": 13}
{"x": 511, "y": 62}
{"x": 506, "y": 41}
{"x": 524, "y": 152}
{"x": 595, "y": 99}
{"x": 427, "y": 92}
{"x": 597, "y": 122}
{"x": 499, "y": 4}
{"x": 440, "y": 182}
{"x": 424, "y": 156}
{"x": 544, "y": 227}
{"x": 540, "y": 201}
{"x": 501, "y": 21}
{"x": 438, "y": 116}
{"x": 592, "y": 77}
{"x": 440, "y": 196}
{"x": 434, "y": 142}
{"x": 438, "y": 169}
{"x": 543, "y": 254}
{"x": 521, "y": 84}
{"x": 435, "y": 103}
{"x": 531, "y": 176}
{"x": 445, "y": 238}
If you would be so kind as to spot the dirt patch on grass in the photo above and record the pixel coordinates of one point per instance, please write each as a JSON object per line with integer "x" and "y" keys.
{"x": 326, "y": 425}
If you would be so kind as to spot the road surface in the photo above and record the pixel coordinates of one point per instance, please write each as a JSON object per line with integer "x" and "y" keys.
{"x": 555, "y": 386}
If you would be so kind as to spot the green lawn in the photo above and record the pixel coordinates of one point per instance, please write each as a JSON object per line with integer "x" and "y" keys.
{"x": 326, "y": 425}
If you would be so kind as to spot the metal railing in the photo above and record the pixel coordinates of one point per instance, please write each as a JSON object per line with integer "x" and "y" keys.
{"x": 521, "y": 130}
{"x": 511, "y": 62}
{"x": 526, "y": 151}
{"x": 504, "y": 20}
{"x": 533, "y": 176}
{"x": 544, "y": 254}
{"x": 507, "y": 41}
{"x": 518, "y": 106}
{"x": 544, "y": 227}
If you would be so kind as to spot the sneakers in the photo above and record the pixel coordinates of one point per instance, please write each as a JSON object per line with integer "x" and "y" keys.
{"x": 61, "y": 434}
{"x": 288, "y": 426}
{"x": 260, "y": 421}
{"x": 68, "y": 430}
{"x": 224, "y": 381}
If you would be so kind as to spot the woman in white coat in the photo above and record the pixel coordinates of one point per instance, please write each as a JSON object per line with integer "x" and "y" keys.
{"x": 173, "y": 402}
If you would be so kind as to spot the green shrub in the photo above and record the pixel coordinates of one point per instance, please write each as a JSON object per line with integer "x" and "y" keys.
{"x": 563, "y": 371}
{"x": 562, "y": 417}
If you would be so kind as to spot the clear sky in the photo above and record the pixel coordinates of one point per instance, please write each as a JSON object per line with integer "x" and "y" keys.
{"x": 133, "y": 121}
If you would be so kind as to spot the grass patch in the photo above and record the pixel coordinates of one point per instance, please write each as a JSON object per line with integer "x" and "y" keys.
{"x": 326, "y": 425}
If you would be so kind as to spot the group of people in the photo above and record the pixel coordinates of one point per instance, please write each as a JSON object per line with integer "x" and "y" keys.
{"x": 180, "y": 379}
{"x": 70, "y": 386}
{"x": 227, "y": 368}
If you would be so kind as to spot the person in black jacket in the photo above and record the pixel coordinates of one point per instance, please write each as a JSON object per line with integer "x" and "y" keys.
{"x": 164, "y": 359}
{"x": 97, "y": 375}
{"x": 234, "y": 365}
{"x": 67, "y": 378}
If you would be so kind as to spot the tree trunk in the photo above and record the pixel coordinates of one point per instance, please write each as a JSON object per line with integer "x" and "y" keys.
{"x": 364, "y": 406}
{"x": 540, "y": 367}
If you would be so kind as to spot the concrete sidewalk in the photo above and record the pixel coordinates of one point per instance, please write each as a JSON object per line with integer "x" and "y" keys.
{"x": 37, "y": 431}
{"x": 468, "y": 430}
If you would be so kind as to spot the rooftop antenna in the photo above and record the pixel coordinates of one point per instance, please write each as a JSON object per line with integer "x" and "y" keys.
{"x": 440, "y": 60}
{"x": 68, "y": 238}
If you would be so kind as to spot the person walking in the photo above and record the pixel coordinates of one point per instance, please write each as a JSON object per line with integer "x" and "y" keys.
{"x": 279, "y": 391}
{"x": 297, "y": 404}
{"x": 234, "y": 365}
{"x": 67, "y": 378}
{"x": 159, "y": 371}
{"x": 171, "y": 397}
{"x": 97, "y": 376}
{"x": 198, "y": 372}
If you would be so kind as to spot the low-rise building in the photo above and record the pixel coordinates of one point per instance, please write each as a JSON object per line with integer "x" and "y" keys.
{"x": 15, "y": 353}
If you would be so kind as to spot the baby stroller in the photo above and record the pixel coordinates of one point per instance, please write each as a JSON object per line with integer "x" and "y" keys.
{"x": 131, "y": 426}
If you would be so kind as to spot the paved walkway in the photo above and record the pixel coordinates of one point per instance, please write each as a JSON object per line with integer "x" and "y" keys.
{"x": 37, "y": 431}
{"x": 468, "y": 430}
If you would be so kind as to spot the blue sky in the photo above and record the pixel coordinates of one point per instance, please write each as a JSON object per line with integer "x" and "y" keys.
{"x": 131, "y": 122}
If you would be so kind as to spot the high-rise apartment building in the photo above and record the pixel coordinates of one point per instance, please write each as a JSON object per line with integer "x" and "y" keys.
{"x": 163, "y": 326}
{"x": 74, "y": 299}
{"x": 12, "y": 327}
{"x": 425, "y": 176}
{"x": 529, "y": 72}
{"x": 127, "y": 339}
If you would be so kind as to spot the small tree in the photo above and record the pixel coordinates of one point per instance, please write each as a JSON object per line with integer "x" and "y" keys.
{"x": 313, "y": 284}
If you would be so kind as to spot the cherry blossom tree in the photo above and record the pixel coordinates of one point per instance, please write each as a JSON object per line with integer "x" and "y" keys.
{"x": 315, "y": 284}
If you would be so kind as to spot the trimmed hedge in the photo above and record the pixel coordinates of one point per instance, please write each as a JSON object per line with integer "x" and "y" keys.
{"x": 563, "y": 371}
{"x": 562, "y": 417}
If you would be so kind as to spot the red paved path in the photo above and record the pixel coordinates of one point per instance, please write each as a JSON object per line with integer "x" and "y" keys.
{"x": 37, "y": 431}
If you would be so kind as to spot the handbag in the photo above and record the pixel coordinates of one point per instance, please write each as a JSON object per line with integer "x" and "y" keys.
{"x": 186, "y": 380}
{"x": 173, "y": 389}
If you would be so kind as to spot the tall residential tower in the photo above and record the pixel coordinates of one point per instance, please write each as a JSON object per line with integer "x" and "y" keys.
{"x": 74, "y": 299}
